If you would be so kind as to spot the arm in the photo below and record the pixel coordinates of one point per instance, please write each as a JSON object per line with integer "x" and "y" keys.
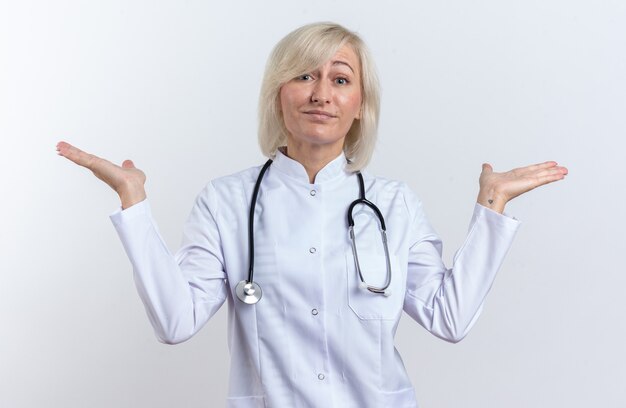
{"x": 180, "y": 292}
{"x": 447, "y": 302}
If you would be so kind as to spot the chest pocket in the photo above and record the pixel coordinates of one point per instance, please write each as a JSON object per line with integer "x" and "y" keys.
{"x": 369, "y": 305}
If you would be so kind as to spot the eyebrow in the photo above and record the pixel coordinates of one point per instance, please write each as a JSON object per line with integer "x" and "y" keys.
{"x": 339, "y": 62}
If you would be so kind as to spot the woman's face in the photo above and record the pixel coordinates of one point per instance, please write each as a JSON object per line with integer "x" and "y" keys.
{"x": 319, "y": 106}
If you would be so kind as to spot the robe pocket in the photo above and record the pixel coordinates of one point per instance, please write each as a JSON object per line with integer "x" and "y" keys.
{"x": 368, "y": 305}
{"x": 246, "y": 402}
{"x": 400, "y": 399}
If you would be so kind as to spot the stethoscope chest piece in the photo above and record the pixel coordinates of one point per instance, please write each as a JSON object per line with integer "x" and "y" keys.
{"x": 248, "y": 292}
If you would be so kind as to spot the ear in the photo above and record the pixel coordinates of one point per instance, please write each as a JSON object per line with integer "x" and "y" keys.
{"x": 358, "y": 115}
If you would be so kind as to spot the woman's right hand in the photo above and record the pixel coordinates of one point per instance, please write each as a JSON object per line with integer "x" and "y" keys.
{"x": 127, "y": 180}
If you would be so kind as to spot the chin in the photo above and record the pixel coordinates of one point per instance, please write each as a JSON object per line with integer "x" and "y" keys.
{"x": 323, "y": 140}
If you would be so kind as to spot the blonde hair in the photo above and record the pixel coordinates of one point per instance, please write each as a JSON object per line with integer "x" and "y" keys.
{"x": 303, "y": 50}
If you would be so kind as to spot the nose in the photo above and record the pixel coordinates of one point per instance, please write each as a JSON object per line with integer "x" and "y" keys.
{"x": 321, "y": 93}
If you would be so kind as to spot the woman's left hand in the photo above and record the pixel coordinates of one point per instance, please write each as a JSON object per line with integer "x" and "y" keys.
{"x": 497, "y": 189}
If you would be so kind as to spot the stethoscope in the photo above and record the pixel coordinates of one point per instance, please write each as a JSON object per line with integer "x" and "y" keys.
{"x": 250, "y": 292}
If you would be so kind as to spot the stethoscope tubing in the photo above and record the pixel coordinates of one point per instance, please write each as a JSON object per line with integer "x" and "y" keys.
{"x": 250, "y": 292}
{"x": 255, "y": 194}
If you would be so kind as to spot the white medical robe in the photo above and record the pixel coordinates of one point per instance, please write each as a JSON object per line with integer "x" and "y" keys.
{"x": 315, "y": 339}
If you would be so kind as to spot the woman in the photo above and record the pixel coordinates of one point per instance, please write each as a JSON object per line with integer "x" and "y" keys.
{"x": 321, "y": 334}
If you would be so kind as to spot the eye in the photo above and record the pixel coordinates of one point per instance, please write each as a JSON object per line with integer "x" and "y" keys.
{"x": 341, "y": 81}
{"x": 305, "y": 77}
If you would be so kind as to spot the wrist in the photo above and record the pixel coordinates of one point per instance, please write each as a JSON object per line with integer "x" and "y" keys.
{"x": 491, "y": 199}
{"x": 131, "y": 197}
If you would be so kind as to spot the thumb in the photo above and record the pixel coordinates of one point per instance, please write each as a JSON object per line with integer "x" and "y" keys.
{"x": 128, "y": 164}
{"x": 487, "y": 168}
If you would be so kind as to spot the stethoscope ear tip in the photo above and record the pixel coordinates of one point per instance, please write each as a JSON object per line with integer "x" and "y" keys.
{"x": 387, "y": 292}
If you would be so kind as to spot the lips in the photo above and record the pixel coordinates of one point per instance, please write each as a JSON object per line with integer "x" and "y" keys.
{"x": 320, "y": 114}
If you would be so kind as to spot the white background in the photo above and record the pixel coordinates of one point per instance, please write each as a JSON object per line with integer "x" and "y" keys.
{"x": 174, "y": 84}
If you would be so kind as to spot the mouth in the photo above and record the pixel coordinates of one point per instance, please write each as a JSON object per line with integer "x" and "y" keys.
{"x": 319, "y": 114}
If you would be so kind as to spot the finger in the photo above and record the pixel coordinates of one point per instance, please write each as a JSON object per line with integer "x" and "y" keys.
{"x": 62, "y": 148}
{"x": 537, "y": 167}
{"x": 61, "y": 145}
{"x": 76, "y": 155}
{"x": 128, "y": 164}
{"x": 102, "y": 168}
{"x": 487, "y": 168}
{"x": 552, "y": 171}
{"x": 550, "y": 177}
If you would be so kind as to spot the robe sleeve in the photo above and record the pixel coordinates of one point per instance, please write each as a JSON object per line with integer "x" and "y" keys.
{"x": 180, "y": 292}
{"x": 447, "y": 302}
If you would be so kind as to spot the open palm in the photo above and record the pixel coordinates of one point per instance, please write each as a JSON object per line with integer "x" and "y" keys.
{"x": 496, "y": 189}
{"x": 127, "y": 180}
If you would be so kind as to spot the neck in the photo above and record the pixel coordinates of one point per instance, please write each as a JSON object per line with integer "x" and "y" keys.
{"x": 313, "y": 157}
